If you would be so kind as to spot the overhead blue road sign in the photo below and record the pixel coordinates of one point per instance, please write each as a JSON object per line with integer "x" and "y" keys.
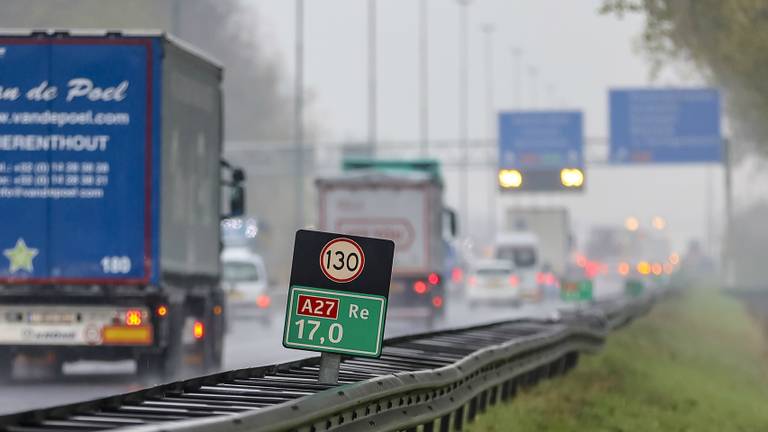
{"x": 665, "y": 126}
{"x": 541, "y": 139}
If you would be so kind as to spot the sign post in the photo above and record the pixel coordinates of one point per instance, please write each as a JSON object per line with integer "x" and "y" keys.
{"x": 337, "y": 299}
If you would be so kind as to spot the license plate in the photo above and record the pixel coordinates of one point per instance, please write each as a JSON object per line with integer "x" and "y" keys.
{"x": 495, "y": 283}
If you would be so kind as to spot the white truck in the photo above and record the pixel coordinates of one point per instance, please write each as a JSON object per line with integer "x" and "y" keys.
{"x": 551, "y": 226}
{"x": 401, "y": 201}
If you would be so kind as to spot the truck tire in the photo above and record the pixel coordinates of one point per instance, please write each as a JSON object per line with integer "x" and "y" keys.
{"x": 166, "y": 364}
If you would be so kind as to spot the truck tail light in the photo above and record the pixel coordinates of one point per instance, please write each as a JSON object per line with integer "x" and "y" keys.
{"x": 437, "y": 302}
{"x": 263, "y": 301}
{"x": 419, "y": 287}
{"x": 433, "y": 279}
{"x": 162, "y": 310}
{"x": 198, "y": 330}
{"x": 133, "y": 317}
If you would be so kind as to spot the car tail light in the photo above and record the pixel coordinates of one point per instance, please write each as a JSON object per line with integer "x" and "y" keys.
{"x": 545, "y": 279}
{"x": 162, "y": 310}
{"x": 657, "y": 268}
{"x": 457, "y": 275}
{"x": 419, "y": 287}
{"x": 471, "y": 280}
{"x": 623, "y": 269}
{"x": 433, "y": 279}
{"x": 263, "y": 301}
{"x": 198, "y": 330}
{"x": 514, "y": 280}
{"x": 133, "y": 317}
{"x": 437, "y": 302}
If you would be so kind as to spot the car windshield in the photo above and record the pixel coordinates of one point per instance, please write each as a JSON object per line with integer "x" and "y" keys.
{"x": 240, "y": 271}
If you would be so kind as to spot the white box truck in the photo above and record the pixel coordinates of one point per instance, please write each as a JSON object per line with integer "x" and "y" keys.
{"x": 552, "y": 228}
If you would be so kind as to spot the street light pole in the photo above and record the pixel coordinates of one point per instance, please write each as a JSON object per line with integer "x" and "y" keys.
{"x": 488, "y": 31}
{"x": 534, "y": 73}
{"x": 424, "y": 77}
{"x": 463, "y": 108}
{"x": 298, "y": 123}
{"x": 372, "y": 116}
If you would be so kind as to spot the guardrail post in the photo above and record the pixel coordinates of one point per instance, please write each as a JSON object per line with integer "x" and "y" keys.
{"x": 494, "y": 395}
{"x": 445, "y": 423}
{"x": 472, "y": 411}
{"x": 458, "y": 419}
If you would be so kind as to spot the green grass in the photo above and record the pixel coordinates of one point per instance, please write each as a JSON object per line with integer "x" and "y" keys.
{"x": 696, "y": 363}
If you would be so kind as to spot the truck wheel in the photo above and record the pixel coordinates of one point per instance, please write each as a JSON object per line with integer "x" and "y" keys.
{"x": 6, "y": 365}
{"x": 166, "y": 364}
{"x": 213, "y": 346}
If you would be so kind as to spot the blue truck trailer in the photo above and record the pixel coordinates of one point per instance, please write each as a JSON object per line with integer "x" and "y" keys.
{"x": 112, "y": 188}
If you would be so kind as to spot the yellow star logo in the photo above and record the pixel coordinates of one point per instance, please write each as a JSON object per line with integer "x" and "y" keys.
{"x": 20, "y": 256}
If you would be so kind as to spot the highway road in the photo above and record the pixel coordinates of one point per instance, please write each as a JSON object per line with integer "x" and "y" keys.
{"x": 249, "y": 343}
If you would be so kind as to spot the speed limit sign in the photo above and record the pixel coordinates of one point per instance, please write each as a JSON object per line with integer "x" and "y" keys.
{"x": 337, "y": 299}
{"x": 342, "y": 260}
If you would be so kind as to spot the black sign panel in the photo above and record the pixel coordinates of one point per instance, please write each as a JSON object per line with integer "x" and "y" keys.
{"x": 342, "y": 262}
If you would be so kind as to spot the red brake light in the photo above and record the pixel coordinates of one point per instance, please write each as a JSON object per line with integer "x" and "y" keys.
{"x": 198, "y": 330}
{"x": 133, "y": 317}
{"x": 540, "y": 278}
{"x": 263, "y": 301}
{"x": 472, "y": 280}
{"x": 437, "y": 302}
{"x": 514, "y": 280}
{"x": 433, "y": 279}
{"x": 457, "y": 275}
{"x": 419, "y": 287}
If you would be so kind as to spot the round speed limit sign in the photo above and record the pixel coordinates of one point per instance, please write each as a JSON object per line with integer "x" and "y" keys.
{"x": 342, "y": 260}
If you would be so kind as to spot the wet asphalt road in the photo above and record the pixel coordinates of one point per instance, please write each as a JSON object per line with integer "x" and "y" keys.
{"x": 250, "y": 342}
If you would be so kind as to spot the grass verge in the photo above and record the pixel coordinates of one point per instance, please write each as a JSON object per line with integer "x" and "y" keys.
{"x": 695, "y": 363}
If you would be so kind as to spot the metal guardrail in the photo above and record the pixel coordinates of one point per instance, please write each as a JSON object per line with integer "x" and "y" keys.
{"x": 431, "y": 381}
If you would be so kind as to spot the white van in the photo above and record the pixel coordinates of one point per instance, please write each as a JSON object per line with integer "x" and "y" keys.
{"x": 244, "y": 279}
{"x": 521, "y": 248}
